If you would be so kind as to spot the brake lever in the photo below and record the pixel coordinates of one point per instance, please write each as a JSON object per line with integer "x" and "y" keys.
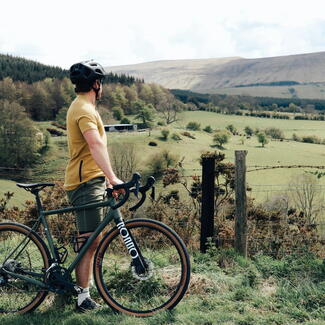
{"x": 137, "y": 187}
{"x": 153, "y": 193}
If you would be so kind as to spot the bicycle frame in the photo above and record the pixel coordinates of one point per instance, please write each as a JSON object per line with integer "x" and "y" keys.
{"x": 110, "y": 215}
{"x": 107, "y": 219}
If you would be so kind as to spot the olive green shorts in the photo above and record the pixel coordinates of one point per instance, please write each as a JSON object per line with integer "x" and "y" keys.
{"x": 92, "y": 191}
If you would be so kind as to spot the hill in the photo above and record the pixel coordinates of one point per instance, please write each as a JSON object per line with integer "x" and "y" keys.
{"x": 20, "y": 69}
{"x": 214, "y": 75}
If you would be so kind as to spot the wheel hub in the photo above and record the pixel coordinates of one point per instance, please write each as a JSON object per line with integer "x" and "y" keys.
{"x": 11, "y": 265}
{"x": 144, "y": 276}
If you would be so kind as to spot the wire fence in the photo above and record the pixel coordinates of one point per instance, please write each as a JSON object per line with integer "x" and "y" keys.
{"x": 271, "y": 196}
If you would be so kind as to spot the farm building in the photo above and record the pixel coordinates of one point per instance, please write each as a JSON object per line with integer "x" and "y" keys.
{"x": 120, "y": 127}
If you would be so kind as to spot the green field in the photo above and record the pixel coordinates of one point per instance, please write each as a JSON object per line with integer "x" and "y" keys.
{"x": 311, "y": 91}
{"x": 275, "y": 153}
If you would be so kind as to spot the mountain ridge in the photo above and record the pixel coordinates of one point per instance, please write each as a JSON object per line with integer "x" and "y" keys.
{"x": 207, "y": 75}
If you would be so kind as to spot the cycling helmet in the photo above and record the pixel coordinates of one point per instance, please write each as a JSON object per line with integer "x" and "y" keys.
{"x": 87, "y": 71}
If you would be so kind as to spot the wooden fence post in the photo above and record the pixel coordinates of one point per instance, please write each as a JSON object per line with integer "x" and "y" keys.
{"x": 207, "y": 212}
{"x": 241, "y": 202}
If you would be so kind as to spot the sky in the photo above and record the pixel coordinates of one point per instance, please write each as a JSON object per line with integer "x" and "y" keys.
{"x": 61, "y": 33}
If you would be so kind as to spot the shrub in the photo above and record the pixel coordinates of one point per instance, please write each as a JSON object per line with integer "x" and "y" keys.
{"x": 194, "y": 126}
{"x": 221, "y": 137}
{"x": 125, "y": 120}
{"x": 231, "y": 129}
{"x": 62, "y": 116}
{"x": 62, "y": 227}
{"x": 295, "y": 137}
{"x": 274, "y": 133}
{"x": 160, "y": 123}
{"x": 208, "y": 129}
{"x": 152, "y": 144}
{"x": 311, "y": 139}
{"x": 249, "y": 131}
{"x": 176, "y": 137}
{"x": 164, "y": 134}
{"x": 159, "y": 162}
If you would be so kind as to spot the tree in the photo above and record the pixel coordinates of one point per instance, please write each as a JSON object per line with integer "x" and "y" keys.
{"x": 169, "y": 106}
{"x": 8, "y": 89}
{"x": 124, "y": 158}
{"x": 159, "y": 93}
{"x": 19, "y": 138}
{"x": 262, "y": 138}
{"x": 221, "y": 137}
{"x": 145, "y": 114}
{"x": 146, "y": 93}
{"x": 306, "y": 196}
{"x": 249, "y": 131}
{"x": 231, "y": 129}
{"x": 41, "y": 105}
{"x": 117, "y": 113}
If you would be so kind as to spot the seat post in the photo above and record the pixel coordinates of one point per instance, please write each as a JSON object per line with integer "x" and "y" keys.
{"x": 38, "y": 199}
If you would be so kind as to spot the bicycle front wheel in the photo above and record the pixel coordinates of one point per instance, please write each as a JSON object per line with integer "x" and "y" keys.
{"x": 167, "y": 276}
{"x": 23, "y": 252}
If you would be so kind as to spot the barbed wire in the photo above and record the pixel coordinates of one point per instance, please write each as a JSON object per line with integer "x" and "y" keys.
{"x": 257, "y": 168}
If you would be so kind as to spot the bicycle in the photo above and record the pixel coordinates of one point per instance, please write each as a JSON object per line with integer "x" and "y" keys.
{"x": 141, "y": 266}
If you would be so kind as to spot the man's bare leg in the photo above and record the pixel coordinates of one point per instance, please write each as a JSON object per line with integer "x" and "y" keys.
{"x": 84, "y": 269}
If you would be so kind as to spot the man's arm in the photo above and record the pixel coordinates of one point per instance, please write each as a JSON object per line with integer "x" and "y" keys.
{"x": 99, "y": 152}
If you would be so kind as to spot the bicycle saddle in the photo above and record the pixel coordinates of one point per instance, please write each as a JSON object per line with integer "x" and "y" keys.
{"x": 34, "y": 187}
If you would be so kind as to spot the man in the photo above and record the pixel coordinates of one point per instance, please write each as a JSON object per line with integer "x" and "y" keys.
{"x": 89, "y": 170}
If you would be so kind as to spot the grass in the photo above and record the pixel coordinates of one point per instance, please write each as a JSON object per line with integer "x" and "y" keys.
{"x": 301, "y": 91}
{"x": 273, "y": 154}
{"x": 20, "y": 195}
{"x": 225, "y": 289}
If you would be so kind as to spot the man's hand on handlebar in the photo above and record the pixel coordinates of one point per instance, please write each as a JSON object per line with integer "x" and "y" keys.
{"x": 133, "y": 186}
{"x": 115, "y": 181}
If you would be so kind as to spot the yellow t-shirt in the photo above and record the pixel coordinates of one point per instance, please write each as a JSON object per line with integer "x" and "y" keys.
{"x": 81, "y": 116}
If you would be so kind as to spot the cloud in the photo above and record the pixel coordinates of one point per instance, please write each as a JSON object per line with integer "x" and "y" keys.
{"x": 125, "y": 32}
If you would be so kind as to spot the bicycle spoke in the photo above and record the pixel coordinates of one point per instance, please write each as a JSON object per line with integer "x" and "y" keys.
{"x": 163, "y": 281}
{"x": 17, "y": 294}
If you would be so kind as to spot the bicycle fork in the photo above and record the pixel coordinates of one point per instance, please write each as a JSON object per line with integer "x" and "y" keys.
{"x": 138, "y": 260}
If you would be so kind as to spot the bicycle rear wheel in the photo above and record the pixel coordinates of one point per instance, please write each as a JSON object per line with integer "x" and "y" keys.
{"x": 166, "y": 281}
{"x": 22, "y": 251}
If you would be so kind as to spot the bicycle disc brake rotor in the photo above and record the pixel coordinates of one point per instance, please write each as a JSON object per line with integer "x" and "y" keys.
{"x": 144, "y": 276}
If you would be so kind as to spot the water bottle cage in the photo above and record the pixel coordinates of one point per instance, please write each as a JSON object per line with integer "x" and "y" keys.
{"x": 78, "y": 242}
{"x": 61, "y": 254}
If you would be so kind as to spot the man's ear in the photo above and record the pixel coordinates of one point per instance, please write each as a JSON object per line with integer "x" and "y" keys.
{"x": 96, "y": 84}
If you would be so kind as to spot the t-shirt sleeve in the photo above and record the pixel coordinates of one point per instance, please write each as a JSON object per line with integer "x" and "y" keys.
{"x": 87, "y": 122}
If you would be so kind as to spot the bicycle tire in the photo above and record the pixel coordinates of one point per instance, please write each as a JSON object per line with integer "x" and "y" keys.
{"x": 163, "y": 249}
{"x": 19, "y": 296}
